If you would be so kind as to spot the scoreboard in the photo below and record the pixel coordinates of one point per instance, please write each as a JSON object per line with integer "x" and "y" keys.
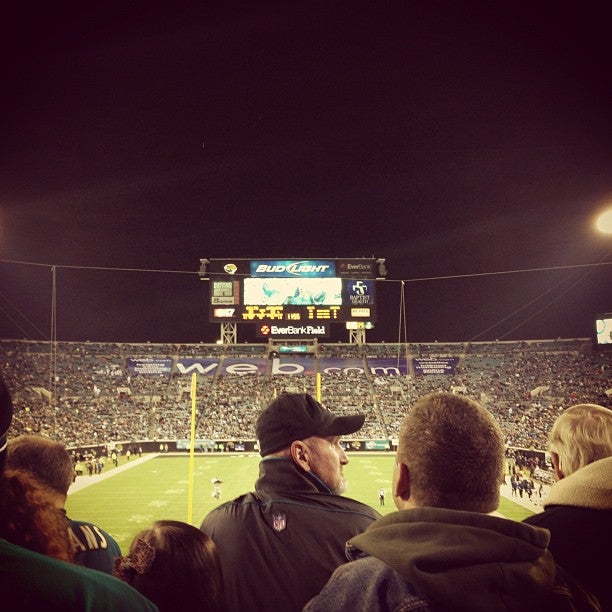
{"x": 293, "y": 291}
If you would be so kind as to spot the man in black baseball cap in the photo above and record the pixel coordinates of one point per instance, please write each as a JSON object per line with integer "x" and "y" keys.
{"x": 295, "y": 416}
{"x": 279, "y": 544}
{"x": 298, "y": 417}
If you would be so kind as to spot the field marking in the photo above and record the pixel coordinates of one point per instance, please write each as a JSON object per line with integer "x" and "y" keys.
{"x": 82, "y": 482}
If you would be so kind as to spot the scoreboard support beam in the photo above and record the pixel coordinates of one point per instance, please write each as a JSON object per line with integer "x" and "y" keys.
{"x": 357, "y": 336}
{"x": 229, "y": 333}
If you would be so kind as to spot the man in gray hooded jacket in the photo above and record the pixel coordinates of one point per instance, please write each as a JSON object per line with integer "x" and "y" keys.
{"x": 441, "y": 551}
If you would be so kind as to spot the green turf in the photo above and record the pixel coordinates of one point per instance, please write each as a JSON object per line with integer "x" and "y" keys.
{"x": 131, "y": 500}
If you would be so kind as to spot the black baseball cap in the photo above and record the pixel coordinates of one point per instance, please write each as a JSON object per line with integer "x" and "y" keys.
{"x": 296, "y": 416}
{"x": 6, "y": 414}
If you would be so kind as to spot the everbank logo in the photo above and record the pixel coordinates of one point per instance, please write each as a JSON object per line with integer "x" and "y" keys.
{"x": 297, "y": 330}
{"x": 281, "y": 331}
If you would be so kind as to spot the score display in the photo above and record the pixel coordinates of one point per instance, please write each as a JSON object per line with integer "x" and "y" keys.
{"x": 307, "y": 291}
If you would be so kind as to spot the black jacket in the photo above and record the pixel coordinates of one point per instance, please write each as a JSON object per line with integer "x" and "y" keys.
{"x": 578, "y": 514}
{"x": 279, "y": 545}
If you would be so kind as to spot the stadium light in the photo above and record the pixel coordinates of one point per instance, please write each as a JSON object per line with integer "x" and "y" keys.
{"x": 203, "y": 271}
{"x": 382, "y": 269}
{"x": 603, "y": 223}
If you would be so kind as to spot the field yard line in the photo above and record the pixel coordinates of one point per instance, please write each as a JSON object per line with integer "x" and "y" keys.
{"x": 82, "y": 482}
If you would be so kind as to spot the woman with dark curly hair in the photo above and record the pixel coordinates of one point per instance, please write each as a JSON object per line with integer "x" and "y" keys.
{"x": 176, "y": 566}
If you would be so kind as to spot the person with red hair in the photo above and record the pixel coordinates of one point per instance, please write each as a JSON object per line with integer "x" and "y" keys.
{"x": 30, "y": 579}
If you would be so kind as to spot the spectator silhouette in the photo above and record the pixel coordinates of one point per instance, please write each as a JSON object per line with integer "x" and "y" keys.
{"x": 52, "y": 465}
{"x": 279, "y": 544}
{"x": 578, "y": 510}
{"x": 32, "y": 581}
{"x": 441, "y": 551}
{"x": 176, "y": 566}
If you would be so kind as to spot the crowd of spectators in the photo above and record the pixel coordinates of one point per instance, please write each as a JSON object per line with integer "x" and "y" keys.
{"x": 84, "y": 393}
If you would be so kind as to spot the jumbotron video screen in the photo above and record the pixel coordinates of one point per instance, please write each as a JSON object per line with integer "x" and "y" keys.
{"x": 603, "y": 330}
{"x": 295, "y": 291}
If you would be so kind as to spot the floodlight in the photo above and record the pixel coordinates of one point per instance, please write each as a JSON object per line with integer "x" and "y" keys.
{"x": 203, "y": 271}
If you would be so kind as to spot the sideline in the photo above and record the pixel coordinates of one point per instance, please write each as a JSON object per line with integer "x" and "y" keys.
{"x": 535, "y": 505}
{"x": 84, "y": 481}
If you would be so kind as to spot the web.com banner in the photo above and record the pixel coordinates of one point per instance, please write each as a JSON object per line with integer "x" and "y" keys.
{"x": 290, "y": 366}
{"x": 339, "y": 365}
{"x": 388, "y": 367}
{"x": 241, "y": 366}
{"x": 231, "y": 366}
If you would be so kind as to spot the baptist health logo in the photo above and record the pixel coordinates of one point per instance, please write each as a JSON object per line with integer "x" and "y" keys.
{"x": 361, "y": 294}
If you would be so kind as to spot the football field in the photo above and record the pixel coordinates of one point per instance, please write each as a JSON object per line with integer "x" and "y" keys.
{"x": 127, "y": 499}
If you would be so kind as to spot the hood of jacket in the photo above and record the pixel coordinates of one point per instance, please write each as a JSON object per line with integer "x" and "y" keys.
{"x": 463, "y": 560}
{"x": 588, "y": 487}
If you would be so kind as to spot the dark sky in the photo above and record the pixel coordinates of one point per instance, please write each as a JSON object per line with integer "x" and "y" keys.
{"x": 448, "y": 139}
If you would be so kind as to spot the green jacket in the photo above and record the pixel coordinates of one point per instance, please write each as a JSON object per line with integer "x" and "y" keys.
{"x": 30, "y": 581}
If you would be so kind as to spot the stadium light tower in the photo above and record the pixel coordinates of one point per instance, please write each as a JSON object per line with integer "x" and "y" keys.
{"x": 203, "y": 271}
{"x": 382, "y": 269}
{"x": 603, "y": 222}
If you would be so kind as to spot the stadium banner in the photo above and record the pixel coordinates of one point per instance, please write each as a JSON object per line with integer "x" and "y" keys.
{"x": 377, "y": 445}
{"x": 199, "y": 444}
{"x": 361, "y": 267}
{"x": 356, "y": 268}
{"x": 304, "y": 268}
{"x": 387, "y": 367}
{"x": 234, "y": 365}
{"x": 148, "y": 365}
{"x": 435, "y": 365}
{"x": 242, "y": 365}
{"x": 294, "y": 365}
{"x": 339, "y": 365}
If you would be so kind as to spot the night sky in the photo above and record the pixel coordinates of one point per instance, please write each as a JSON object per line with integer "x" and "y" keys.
{"x": 451, "y": 139}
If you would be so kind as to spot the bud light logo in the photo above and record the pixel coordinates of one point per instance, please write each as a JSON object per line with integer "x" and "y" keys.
{"x": 305, "y": 268}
